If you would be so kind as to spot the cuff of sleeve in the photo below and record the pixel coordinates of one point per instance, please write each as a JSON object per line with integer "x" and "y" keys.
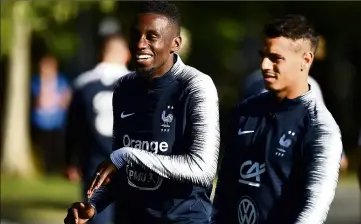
{"x": 95, "y": 211}
{"x": 117, "y": 157}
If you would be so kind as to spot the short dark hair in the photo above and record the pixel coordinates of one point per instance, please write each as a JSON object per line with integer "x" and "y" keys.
{"x": 104, "y": 41}
{"x": 294, "y": 27}
{"x": 163, "y": 8}
{"x": 108, "y": 38}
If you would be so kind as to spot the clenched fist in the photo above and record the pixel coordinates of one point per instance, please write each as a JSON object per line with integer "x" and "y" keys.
{"x": 79, "y": 213}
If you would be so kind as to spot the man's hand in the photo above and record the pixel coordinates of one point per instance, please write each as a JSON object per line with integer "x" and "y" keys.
{"x": 79, "y": 213}
{"x": 104, "y": 172}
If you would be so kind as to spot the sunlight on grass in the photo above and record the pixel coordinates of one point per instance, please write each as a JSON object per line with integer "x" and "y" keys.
{"x": 48, "y": 198}
{"x": 53, "y": 188}
{"x": 347, "y": 179}
{"x": 39, "y": 199}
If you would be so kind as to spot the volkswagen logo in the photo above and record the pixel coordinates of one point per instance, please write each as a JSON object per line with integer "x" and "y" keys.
{"x": 247, "y": 211}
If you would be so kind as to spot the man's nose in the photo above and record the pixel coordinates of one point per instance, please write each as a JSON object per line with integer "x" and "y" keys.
{"x": 142, "y": 43}
{"x": 266, "y": 64}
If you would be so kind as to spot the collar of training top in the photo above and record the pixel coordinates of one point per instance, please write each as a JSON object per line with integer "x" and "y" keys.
{"x": 287, "y": 104}
{"x": 169, "y": 76}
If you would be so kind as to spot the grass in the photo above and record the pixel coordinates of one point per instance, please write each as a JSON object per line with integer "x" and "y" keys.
{"x": 348, "y": 179}
{"x": 40, "y": 199}
{"x": 47, "y": 199}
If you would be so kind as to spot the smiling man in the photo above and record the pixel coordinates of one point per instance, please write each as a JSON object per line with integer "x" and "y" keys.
{"x": 165, "y": 132}
{"x": 283, "y": 154}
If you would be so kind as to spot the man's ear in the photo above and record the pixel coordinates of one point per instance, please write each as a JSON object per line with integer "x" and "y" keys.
{"x": 176, "y": 44}
{"x": 307, "y": 59}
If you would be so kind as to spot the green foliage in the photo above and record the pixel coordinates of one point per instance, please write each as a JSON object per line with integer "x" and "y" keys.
{"x": 107, "y": 6}
{"x": 5, "y": 26}
{"x": 230, "y": 29}
{"x": 43, "y": 16}
{"x": 61, "y": 43}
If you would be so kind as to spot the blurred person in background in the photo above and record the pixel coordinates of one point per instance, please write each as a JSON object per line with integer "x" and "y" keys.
{"x": 254, "y": 85}
{"x": 90, "y": 118}
{"x": 166, "y": 132}
{"x": 51, "y": 94}
{"x": 281, "y": 161}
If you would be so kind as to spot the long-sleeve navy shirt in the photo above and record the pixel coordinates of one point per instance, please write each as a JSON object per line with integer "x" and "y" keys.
{"x": 280, "y": 164}
{"x": 167, "y": 132}
{"x": 89, "y": 126}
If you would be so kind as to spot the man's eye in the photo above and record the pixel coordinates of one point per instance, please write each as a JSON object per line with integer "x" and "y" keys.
{"x": 151, "y": 37}
{"x": 274, "y": 58}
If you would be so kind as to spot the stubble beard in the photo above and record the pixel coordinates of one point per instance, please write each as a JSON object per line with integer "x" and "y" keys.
{"x": 145, "y": 72}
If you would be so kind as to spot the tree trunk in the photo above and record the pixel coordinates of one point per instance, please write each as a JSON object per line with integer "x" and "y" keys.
{"x": 17, "y": 156}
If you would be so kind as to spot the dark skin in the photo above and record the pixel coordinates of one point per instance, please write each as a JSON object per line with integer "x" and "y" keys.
{"x": 156, "y": 37}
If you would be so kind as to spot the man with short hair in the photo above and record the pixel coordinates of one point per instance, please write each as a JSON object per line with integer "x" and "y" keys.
{"x": 90, "y": 117}
{"x": 166, "y": 132}
{"x": 255, "y": 85}
{"x": 283, "y": 154}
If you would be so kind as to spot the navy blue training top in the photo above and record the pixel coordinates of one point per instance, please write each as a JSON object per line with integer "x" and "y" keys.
{"x": 280, "y": 164}
{"x": 167, "y": 132}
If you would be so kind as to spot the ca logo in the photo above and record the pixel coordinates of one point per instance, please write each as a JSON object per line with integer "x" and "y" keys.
{"x": 247, "y": 211}
{"x": 250, "y": 173}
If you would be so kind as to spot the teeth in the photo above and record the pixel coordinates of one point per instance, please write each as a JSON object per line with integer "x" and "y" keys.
{"x": 143, "y": 56}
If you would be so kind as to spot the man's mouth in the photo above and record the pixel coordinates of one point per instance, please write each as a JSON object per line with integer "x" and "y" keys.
{"x": 143, "y": 57}
{"x": 268, "y": 77}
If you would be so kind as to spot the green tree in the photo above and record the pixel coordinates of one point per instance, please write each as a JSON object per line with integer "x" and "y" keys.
{"x": 19, "y": 19}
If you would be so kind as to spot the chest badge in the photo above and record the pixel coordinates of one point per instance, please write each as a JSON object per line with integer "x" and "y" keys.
{"x": 285, "y": 142}
{"x": 167, "y": 118}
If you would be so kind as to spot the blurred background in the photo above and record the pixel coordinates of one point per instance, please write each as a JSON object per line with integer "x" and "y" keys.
{"x": 62, "y": 39}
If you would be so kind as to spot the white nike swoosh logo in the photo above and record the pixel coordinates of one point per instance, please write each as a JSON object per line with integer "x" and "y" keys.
{"x": 126, "y": 115}
{"x": 240, "y": 132}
